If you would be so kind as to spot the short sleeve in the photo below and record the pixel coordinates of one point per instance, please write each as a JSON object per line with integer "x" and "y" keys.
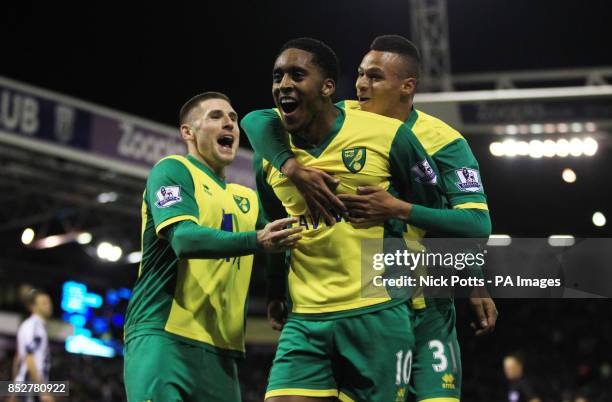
{"x": 170, "y": 194}
{"x": 460, "y": 175}
{"x": 29, "y": 340}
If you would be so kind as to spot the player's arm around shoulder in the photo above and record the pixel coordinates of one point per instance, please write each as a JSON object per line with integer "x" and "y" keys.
{"x": 269, "y": 139}
{"x": 265, "y": 131}
{"x": 413, "y": 176}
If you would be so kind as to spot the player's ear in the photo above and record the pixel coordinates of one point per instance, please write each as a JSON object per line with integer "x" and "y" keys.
{"x": 329, "y": 87}
{"x": 408, "y": 86}
{"x": 187, "y": 132}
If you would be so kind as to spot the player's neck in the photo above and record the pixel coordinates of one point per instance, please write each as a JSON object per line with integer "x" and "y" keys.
{"x": 40, "y": 317}
{"x": 402, "y": 111}
{"x": 320, "y": 126}
{"x": 219, "y": 171}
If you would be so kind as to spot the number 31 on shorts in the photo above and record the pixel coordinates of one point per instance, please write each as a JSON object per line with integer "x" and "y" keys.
{"x": 404, "y": 366}
{"x": 439, "y": 354}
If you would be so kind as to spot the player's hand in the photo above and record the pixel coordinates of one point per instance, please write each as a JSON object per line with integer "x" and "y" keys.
{"x": 47, "y": 398}
{"x": 316, "y": 187}
{"x": 274, "y": 239}
{"x": 484, "y": 310}
{"x": 277, "y": 314}
{"x": 374, "y": 205}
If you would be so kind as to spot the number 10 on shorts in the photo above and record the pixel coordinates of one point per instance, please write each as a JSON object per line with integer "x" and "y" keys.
{"x": 404, "y": 366}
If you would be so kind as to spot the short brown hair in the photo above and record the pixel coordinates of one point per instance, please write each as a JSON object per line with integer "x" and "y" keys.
{"x": 194, "y": 102}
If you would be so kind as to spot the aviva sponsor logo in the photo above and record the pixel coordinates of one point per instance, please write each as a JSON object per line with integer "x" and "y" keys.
{"x": 314, "y": 221}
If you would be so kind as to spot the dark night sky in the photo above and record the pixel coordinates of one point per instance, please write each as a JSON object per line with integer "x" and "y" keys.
{"x": 148, "y": 61}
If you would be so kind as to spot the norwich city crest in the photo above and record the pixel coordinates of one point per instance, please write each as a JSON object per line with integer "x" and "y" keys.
{"x": 243, "y": 203}
{"x": 354, "y": 158}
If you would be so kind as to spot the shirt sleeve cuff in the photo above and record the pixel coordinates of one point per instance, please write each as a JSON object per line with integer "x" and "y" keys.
{"x": 172, "y": 220}
{"x": 251, "y": 241}
{"x": 418, "y": 214}
{"x": 281, "y": 158}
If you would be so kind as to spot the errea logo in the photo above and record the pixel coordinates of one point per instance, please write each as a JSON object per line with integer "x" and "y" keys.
{"x": 206, "y": 189}
{"x": 448, "y": 381}
{"x": 401, "y": 394}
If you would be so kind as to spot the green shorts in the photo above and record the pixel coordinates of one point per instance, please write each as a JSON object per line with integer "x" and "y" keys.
{"x": 365, "y": 358}
{"x": 164, "y": 369}
{"x": 436, "y": 372}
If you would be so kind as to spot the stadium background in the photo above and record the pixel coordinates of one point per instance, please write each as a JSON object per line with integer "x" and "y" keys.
{"x": 543, "y": 67}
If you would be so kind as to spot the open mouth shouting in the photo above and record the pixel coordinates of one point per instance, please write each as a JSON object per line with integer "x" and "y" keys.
{"x": 363, "y": 100}
{"x": 226, "y": 142}
{"x": 288, "y": 105}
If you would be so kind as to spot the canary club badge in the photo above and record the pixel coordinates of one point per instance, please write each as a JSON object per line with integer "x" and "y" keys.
{"x": 243, "y": 203}
{"x": 354, "y": 158}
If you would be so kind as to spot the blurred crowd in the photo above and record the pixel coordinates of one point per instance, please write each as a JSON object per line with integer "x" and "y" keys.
{"x": 565, "y": 346}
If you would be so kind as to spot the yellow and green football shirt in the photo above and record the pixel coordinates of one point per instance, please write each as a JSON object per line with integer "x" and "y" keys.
{"x": 201, "y": 301}
{"x": 459, "y": 171}
{"x": 362, "y": 149}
